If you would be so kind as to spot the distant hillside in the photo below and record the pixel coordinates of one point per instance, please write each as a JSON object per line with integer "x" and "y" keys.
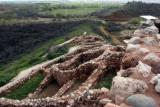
{"x": 133, "y": 9}
{"x": 19, "y": 39}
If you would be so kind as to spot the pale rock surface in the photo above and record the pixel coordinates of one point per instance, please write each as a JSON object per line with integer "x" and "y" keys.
{"x": 124, "y": 87}
{"x": 143, "y": 50}
{"x": 157, "y": 87}
{"x": 138, "y": 33}
{"x": 111, "y": 105}
{"x": 134, "y": 40}
{"x": 149, "y": 31}
{"x": 140, "y": 100}
{"x": 155, "y": 79}
{"x": 144, "y": 69}
{"x": 158, "y": 36}
{"x": 73, "y": 49}
{"x": 154, "y": 61}
{"x": 152, "y": 57}
{"x": 131, "y": 47}
{"x": 105, "y": 101}
{"x": 150, "y": 41}
{"x": 152, "y": 30}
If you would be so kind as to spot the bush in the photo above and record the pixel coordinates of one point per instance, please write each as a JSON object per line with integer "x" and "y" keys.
{"x": 57, "y": 52}
{"x": 26, "y": 88}
{"x": 134, "y": 21}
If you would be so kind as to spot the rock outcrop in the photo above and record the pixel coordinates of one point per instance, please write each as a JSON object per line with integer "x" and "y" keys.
{"x": 123, "y": 87}
{"x": 140, "y": 100}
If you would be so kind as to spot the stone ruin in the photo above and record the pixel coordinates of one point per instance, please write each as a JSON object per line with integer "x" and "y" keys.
{"x": 137, "y": 83}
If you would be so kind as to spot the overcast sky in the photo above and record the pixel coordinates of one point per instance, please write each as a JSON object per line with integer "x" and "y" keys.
{"x": 157, "y": 1}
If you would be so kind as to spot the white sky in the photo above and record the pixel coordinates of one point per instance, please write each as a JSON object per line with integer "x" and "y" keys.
{"x": 157, "y": 1}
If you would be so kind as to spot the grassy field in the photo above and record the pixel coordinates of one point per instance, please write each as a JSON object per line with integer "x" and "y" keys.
{"x": 11, "y": 11}
{"x": 74, "y": 9}
{"x": 26, "y": 88}
{"x": 9, "y": 71}
{"x": 75, "y": 12}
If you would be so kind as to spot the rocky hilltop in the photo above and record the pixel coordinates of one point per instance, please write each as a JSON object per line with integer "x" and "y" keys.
{"x": 136, "y": 83}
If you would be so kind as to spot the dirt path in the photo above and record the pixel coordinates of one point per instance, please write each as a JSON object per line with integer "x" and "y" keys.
{"x": 49, "y": 91}
{"x": 114, "y": 38}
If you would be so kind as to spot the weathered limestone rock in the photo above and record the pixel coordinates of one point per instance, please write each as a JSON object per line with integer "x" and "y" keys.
{"x": 134, "y": 40}
{"x": 157, "y": 87}
{"x": 152, "y": 30}
{"x": 144, "y": 51}
{"x": 111, "y": 105}
{"x": 156, "y": 81}
{"x": 149, "y": 55}
{"x": 154, "y": 61}
{"x": 152, "y": 57}
{"x": 144, "y": 69}
{"x": 140, "y": 100}
{"x": 149, "y": 31}
{"x": 105, "y": 101}
{"x": 131, "y": 47}
{"x": 124, "y": 87}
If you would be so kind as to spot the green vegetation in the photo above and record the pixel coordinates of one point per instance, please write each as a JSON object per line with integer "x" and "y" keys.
{"x": 26, "y": 88}
{"x": 7, "y": 72}
{"x": 74, "y": 9}
{"x": 135, "y": 21}
{"x": 105, "y": 82}
{"x": 57, "y": 52}
{"x": 10, "y": 70}
{"x": 52, "y": 10}
{"x": 26, "y": 29}
{"x": 74, "y": 12}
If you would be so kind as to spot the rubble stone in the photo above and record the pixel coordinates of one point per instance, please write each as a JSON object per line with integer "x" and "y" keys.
{"x": 140, "y": 100}
{"x": 144, "y": 69}
{"x": 157, "y": 87}
{"x": 124, "y": 87}
{"x": 131, "y": 47}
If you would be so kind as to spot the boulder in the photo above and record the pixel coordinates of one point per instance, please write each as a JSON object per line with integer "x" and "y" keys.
{"x": 130, "y": 60}
{"x": 154, "y": 61}
{"x": 155, "y": 79}
{"x": 143, "y": 51}
{"x": 140, "y": 100}
{"x": 124, "y": 87}
{"x": 138, "y": 33}
{"x": 134, "y": 40}
{"x": 105, "y": 101}
{"x": 132, "y": 47}
{"x": 151, "y": 57}
{"x": 152, "y": 30}
{"x": 144, "y": 69}
{"x": 157, "y": 87}
{"x": 150, "y": 41}
{"x": 158, "y": 36}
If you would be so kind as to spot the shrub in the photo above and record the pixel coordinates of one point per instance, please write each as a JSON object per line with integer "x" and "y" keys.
{"x": 134, "y": 21}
